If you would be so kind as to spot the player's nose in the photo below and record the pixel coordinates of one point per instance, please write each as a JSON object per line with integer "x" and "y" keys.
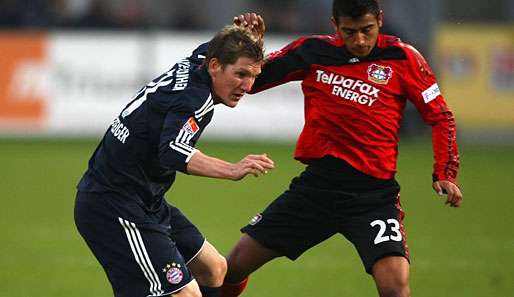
{"x": 247, "y": 84}
{"x": 360, "y": 39}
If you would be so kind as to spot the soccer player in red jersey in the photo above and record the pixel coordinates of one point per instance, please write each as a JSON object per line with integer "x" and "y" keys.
{"x": 356, "y": 84}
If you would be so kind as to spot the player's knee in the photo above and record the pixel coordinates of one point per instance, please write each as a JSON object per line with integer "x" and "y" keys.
{"x": 395, "y": 293}
{"x": 219, "y": 272}
{"x": 214, "y": 275}
{"x": 236, "y": 272}
{"x": 392, "y": 277}
{"x": 396, "y": 287}
{"x": 246, "y": 257}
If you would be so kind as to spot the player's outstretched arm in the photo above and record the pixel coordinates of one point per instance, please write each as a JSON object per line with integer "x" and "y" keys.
{"x": 203, "y": 165}
{"x": 252, "y": 21}
{"x": 453, "y": 193}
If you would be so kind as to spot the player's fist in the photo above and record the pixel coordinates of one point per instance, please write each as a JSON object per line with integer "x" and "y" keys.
{"x": 452, "y": 191}
{"x": 255, "y": 165}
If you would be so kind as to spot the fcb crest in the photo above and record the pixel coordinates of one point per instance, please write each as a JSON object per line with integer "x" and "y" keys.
{"x": 173, "y": 273}
{"x": 380, "y": 74}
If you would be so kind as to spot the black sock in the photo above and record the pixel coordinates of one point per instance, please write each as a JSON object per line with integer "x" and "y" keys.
{"x": 210, "y": 291}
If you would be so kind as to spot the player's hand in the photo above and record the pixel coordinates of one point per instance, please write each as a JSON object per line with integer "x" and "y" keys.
{"x": 252, "y": 21}
{"x": 453, "y": 194}
{"x": 255, "y": 165}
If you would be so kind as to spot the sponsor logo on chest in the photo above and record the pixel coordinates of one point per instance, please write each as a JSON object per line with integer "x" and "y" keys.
{"x": 354, "y": 90}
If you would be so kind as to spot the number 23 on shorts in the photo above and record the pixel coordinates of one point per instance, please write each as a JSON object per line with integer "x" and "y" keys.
{"x": 393, "y": 224}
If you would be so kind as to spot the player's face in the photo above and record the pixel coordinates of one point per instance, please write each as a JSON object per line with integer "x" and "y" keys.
{"x": 359, "y": 35}
{"x": 230, "y": 82}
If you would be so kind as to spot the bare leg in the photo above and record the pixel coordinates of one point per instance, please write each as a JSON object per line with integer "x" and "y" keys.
{"x": 391, "y": 276}
{"x": 191, "y": 290}
{"x": 208, "y": 267}
{"x": 246, "y": 257}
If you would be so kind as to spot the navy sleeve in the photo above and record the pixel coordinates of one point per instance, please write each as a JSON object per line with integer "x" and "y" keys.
{"x": 182, "y": 127}
{"x": 179, "y": 134}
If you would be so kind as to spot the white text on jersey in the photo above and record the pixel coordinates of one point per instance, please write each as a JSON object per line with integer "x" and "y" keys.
{"x": 350, "y": 89}
{"x": 182, "y": 76}
{"x": 119, "y": 130}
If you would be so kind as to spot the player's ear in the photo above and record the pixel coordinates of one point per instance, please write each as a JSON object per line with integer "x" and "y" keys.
{"x": 214, "y": 66}
{"x": 334, "y": 23}
{"x": 380, "y": 19}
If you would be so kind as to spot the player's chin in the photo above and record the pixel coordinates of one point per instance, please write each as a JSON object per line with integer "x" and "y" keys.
{"x": 234, "y": 100}
{"x": 361, "y": 52}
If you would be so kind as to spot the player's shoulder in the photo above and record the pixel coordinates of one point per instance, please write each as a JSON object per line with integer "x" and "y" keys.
{"x": 194, "y": 98}
{"x": 412, "y": 54}
{"x": 333, "y": 40}
{"x": 198, "y": 55}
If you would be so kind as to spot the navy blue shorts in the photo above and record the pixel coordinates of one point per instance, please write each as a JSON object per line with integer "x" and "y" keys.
{"x": 313, "y": 209}
{"x": 143, "y": 254}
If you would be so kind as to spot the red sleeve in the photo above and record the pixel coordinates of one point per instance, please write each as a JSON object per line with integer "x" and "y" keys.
{"x": 282, "y": 66}
{"x": 423, "y": 91}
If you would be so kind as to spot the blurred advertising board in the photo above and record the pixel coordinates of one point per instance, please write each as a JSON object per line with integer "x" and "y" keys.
{"x": 476, "y": 72}
{"x": 74, "y": 83}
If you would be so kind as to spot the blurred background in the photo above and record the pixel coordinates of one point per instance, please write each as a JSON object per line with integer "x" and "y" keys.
{"x": 67, "y": 67}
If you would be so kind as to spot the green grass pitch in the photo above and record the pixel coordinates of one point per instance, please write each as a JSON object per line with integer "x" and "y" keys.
{"x": 455, "y": 252}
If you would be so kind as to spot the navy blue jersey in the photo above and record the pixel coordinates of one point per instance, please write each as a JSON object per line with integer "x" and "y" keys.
{"x": 154, "y": 135}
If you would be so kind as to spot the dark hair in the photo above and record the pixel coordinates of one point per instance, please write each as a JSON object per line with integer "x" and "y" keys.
{"x": 233, "y": 42}
{"x": 354, "y": 8}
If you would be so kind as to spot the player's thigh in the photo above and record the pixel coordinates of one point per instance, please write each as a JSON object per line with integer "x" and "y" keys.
{"x": 391, "y": 273}
{"x": 208, "y": 267}
{"x": 296, "y": 221}
{"x": 138, "y": 255}
{"x": 247, "y": 256}
{"x": 378, "y": 232}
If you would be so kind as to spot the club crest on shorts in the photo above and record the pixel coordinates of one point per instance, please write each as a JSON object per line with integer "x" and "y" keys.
{"x": 173, "y": 273}
{"x": 380, "y": 74}
{"x": 257, "y": 218}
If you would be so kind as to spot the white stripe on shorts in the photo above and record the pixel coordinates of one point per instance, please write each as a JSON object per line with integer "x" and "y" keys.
{"x": 141, "y": 256}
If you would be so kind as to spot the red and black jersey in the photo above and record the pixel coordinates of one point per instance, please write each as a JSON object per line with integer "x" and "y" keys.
{"x": 353, "y": 106}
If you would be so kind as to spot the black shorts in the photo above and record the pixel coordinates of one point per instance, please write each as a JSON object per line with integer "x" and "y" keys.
{"x": 313, "y": 209}
{"x": 143, "y": 254}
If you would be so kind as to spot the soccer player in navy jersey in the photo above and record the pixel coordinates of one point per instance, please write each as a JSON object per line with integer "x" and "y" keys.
{"x": 356, "y": 84}
{"x": 146, "y": 246}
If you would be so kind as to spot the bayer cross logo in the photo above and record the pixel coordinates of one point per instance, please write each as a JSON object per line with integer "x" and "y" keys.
{"x": 257, "y": 218}
{"x": 379, "y": 74}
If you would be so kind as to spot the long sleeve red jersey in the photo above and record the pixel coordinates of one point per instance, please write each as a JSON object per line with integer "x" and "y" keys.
{"x": 353, "y": 106}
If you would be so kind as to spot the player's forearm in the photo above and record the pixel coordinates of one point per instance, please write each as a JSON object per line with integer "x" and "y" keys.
{"x": 202, "y": 165}
{"x": 445, "y": 148}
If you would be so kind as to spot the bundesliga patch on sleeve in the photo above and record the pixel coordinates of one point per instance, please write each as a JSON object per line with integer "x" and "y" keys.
{"x": 431, "y": 93}
{"x": 191, "y": 127}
